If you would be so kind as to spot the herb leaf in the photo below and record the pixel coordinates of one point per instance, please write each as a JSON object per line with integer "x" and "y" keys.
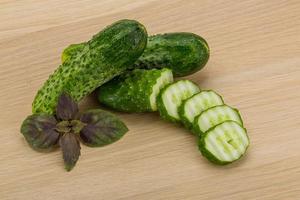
{"x": 102, "y": 128}
{"x": 66, "y": 108}
{"x": 71, "y": 150}
{"x": 39, "y": 131}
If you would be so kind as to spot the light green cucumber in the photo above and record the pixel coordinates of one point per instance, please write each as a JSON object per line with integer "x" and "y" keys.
{"x": 224, "y": 143}
{"x": 193, "y": 106}
{"x": 184, "y": 53}
{"x": 171, "y": 97}
{"x": 214, "y": 116}
{"x": 135, "y": 91}
{"x": 106, "y": 55}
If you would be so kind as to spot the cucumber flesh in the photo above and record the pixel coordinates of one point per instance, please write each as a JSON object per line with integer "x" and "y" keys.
{"x": 171, "y": 97}
{"x": 196, "y": 104}
{"x": 224, "y": 143}
{"x": 216, "y": 115}
{"x": 165, "y": 78}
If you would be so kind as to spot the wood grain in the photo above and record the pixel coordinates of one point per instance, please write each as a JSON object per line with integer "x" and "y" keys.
{"x": 255, "y": 65}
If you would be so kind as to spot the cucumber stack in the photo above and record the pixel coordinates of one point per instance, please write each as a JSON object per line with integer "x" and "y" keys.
{"x": 222, "y": 137}
{"x": 219, "y": 127}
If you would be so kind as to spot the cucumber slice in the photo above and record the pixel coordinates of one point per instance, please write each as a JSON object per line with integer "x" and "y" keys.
{"x": 165, "y": 78}
{"x": 135, "y": 91}
{"x": 196, "y": 104}
{"x": 224, "y": 143}
{"x": 214, "y": 116}
{"x": 171, "y": 97}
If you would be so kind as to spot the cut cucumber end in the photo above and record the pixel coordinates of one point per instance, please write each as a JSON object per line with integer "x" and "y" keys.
{"x": 214, "y": 116}
{"x": 171, "y": 97}
{"x": 224, "y": 143}
{"x": 196, "y": 104}
{"x": 165, "y": 79}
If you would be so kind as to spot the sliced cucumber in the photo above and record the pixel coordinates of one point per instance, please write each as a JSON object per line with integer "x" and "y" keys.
{"x": 224, "y": 143}
{"x": 171, "y": 97}
{"x": 196, "y": 104}
{"x": 214, "y": 116}
{"x": 135, "y": 91}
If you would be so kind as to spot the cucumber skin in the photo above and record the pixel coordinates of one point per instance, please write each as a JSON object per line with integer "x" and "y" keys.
{"x": 210, "y": 156}
{"x": 71, "y": 50}
{"x": 130, "y": 92}
{"x": 106, "y": 55}
{"x": 184, "y": 119}
{"x": 162, "y": 109}
{"x": 184, "y": 53}
{"x": 196, "y": 130}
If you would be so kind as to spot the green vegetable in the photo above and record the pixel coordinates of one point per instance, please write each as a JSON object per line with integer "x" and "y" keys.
{"x": 171, "y": 97}
{"x": 71, "y": 51}
{"x": 214, "y": 116}
{"x": 193, "y": 106}
{"x": 106, "y": 55}
{"x": 135, "y": 91}
{"x": 224, "y": 143}
{"x": 184, "y": 53}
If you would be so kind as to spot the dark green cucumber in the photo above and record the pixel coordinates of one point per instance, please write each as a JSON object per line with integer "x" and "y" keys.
{"x": 224, "y": 143}
{"x": 214, "y": 116}
{"x": 171, "y": 97}
{"x": 135, "y": 91}
{"x": 184, "y": 53}
{"x": 196, "y": 104}
{"x": 106, "y": 55}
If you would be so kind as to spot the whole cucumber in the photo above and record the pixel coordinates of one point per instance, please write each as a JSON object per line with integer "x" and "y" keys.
{"x": 135, "y": 91}
{"x": 184, "y": 53}
{"x": 106, "y": 55}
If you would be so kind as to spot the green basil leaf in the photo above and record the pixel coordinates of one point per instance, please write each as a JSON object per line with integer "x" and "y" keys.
{"x": 102, "y": 128}
{"x": 39, "y": 131}
{"x": 71, "y": 150}
{"x": 66, "y": 108}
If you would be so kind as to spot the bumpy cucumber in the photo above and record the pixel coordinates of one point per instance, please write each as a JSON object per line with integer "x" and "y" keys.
{"x": 71, "y": 51}
{"x": 224, "y": 143}
{"x": 106, "y": 55}
{"x": 193, "y": 106}
{"x": 135, "y": 91}
{"x": 184, "y": 53}
{"x": 171, "y": 97}
{"x": 214, "y": 116}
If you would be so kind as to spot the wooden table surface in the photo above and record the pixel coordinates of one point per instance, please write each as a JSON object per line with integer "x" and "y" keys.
{"x": 254, "y": 64}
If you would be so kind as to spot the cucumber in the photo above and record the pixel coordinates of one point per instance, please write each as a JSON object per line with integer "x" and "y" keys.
{"x": 71, "y": 50}
{"x": 171, "y": 97}
{"x": 135, "y": 91}
{"x": 106, "y": 55}
{"x": 224, "y": 143}
{"x": 184, "y": 53}
{"x": 196, "y": 104}
{"x": 214, "y": 116}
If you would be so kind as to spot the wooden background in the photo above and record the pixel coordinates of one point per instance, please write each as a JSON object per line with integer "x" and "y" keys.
{"x": 254, "y": 64}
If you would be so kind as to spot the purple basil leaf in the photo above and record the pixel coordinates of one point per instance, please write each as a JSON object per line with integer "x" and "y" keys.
{"x": 39, "y": 131}
{"x": 102, "y": 128}
{"x": 66, "y": 108}
{"x": 71, "y": 150}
